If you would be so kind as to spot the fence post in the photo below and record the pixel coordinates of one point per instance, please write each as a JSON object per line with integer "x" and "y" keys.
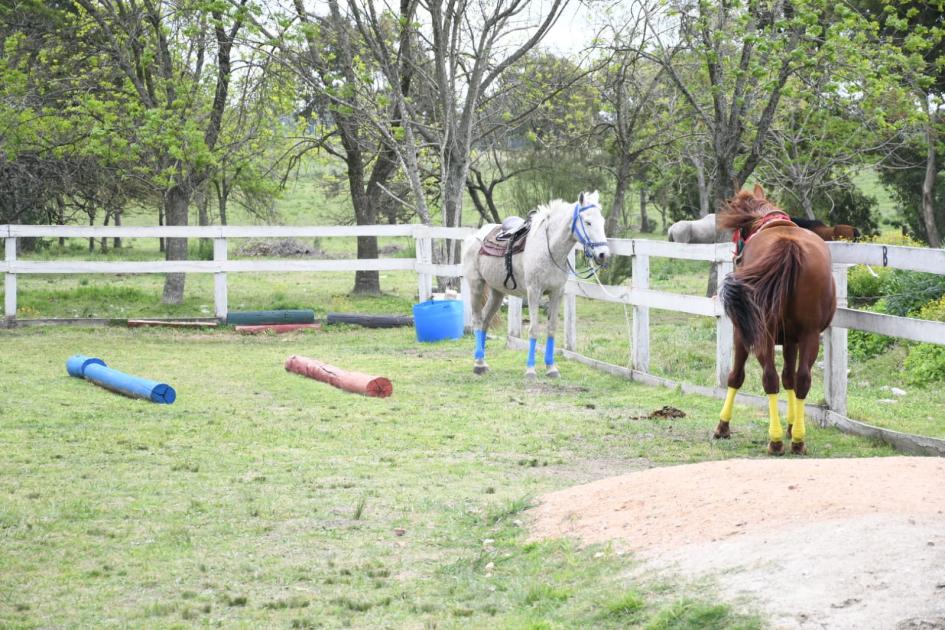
{"x": 9, "y": 282}
{"x": 515, "y": 317}
{"x": 640, "y": 279}
{"x": 219, "y": 280}
{"x": 424, "y": 257}
{"x": 835, "y": 351}
{"x": 724, "y": 331}
{"x": 570, "y": 314}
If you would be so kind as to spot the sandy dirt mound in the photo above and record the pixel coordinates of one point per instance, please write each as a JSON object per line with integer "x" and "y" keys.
{"x": 815, "y": 543}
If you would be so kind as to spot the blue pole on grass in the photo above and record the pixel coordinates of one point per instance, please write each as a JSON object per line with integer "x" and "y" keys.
{"x": 94, "y": 370}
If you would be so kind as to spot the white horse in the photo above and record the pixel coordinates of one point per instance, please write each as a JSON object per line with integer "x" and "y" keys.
{"x": 698, "y": 231}
{"x": 542, "y": 267}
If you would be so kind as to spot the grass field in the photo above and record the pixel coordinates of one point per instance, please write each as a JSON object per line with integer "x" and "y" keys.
{"x": 261, "y": 498}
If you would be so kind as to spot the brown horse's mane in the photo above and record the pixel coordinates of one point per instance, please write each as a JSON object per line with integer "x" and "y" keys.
{"x": 743, "y": 210}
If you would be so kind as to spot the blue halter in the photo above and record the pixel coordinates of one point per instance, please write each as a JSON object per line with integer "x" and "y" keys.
{"x": 580, "y": 231}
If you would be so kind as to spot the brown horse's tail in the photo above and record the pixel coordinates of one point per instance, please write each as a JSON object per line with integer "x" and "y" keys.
{"x": 755, "y": 296}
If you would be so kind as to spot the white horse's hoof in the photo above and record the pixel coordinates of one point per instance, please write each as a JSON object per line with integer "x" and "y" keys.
{"x": 530, "y": 374}
{"x": 553, "y": 372}
{"x": 480, "y": 369}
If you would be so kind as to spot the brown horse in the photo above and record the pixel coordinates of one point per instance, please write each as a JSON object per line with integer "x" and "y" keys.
{"x": 838, "y": 232}
{"x": 781, "y": 291}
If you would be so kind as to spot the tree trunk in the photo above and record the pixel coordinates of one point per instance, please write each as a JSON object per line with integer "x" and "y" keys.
{"x": 723, "y": 189}
{"x": 61, "y": 217}
{"x": 162, "y": 246}
{"x": 928, "y": 185}
{"x": 223, "y": 195}
{"x": 365, "y": 282}
{"x": 644, "y": 222}
{"x": 221, "y": 206}
{"x": 176, "y": 202}
{"x": 453, "y": 188}
{"x": 203, "y": 217}
{"x": 91, "y": 240}
{"x": 702, "y": 185}
{"x": 116, "y": 243}
{"x": 620, "y": 192}
{"x": 103, "y": 247}
{"x": 807, "y": 202}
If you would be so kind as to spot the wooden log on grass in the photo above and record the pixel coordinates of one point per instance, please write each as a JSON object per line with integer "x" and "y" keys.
{"x": 369, "y": 321}
{"x": 141, "y": 323}
{"x": 275, "y": 328}
{"x": 357, "y": 382}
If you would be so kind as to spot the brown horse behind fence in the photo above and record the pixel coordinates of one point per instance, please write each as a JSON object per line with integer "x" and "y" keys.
{"x": 838, "y": 232}
{"x": 781, "y": 291}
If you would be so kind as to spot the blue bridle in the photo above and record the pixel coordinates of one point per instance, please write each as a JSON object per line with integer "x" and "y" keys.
{"x": 580, "y": 231}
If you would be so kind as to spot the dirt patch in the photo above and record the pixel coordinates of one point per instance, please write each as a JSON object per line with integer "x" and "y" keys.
{"x": 280, "y": 247}
{"x": 663, "y": 413}
{"x": 815, "y": 543}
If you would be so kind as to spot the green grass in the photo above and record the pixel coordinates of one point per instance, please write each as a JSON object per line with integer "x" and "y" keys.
{"x": 264, "y": 499}
{"x": 261, "y": 498}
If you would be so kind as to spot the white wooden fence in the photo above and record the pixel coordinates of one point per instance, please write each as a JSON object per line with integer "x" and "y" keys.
{"x": 422, "y": 264}
{"x": 638, "y": 295}
{"x": 642, "y": 298}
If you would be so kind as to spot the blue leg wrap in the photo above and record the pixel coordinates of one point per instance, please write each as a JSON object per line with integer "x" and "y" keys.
{"x": 550, "y": 351}
{"x": 480, "y": 344}
{"x": 531, "y": 353}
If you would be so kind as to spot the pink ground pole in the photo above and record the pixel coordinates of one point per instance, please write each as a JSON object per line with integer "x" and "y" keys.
{"x": 357, "y": 382}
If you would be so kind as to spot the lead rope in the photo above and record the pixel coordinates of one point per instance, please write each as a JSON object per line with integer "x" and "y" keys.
{"x": 626, "y": 313}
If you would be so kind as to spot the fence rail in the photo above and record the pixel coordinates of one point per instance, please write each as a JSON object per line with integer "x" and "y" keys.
{"x": 642, "y": 298}
{"x": 638, "y": 295}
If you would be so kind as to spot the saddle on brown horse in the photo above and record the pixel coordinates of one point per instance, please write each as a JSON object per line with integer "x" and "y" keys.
{"x": 504, "y": 241}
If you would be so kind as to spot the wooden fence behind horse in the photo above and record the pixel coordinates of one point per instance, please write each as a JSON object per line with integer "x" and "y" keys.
{"x": 638, "y": 295}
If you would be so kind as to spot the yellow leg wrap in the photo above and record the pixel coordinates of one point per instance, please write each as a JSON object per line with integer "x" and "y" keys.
{"x": 726, "y": 414}
{"x": 798, "y": 431}
{"x": 791, "y": 398}
{"x": 775, "y": 432}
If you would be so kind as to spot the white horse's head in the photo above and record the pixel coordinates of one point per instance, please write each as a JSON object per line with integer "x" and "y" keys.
{"x": 588, "y": 227}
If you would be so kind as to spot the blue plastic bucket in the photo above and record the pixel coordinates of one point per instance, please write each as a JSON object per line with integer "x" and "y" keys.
{"x": 438, "y": 320}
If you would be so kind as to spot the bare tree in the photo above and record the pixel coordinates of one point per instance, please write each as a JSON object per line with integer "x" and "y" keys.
{"x": 462, "y": 49}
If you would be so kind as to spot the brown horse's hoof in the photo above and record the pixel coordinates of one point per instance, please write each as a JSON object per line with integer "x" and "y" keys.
{"x": 798, "y": 448}
{"x": 789, "y": 431}
{"x": 722, "y": 431}
{"x": 775, "y": 448}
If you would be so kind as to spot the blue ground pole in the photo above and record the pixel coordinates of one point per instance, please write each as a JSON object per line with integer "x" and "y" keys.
{"x": 95, "y": 370}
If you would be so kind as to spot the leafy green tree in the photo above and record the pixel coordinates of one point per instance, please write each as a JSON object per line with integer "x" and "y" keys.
{"x": 175, "y": 62}
{"x": 917, "y": 31}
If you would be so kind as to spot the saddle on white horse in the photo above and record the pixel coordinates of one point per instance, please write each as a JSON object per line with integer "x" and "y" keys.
{"x": 506, "y": 240}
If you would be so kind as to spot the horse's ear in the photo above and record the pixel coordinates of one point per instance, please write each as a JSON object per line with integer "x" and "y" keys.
{"x": 581, "y": 198}
{"x": 759, "y": 192}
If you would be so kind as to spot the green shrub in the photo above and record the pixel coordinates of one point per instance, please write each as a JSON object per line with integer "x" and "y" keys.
{"x": 934, "y": 310}
{"x": 908, "y": 291}
{"x": 926, "y": 363}
{"x": 866, "y": 345}
{"x": 864, "y": 287}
